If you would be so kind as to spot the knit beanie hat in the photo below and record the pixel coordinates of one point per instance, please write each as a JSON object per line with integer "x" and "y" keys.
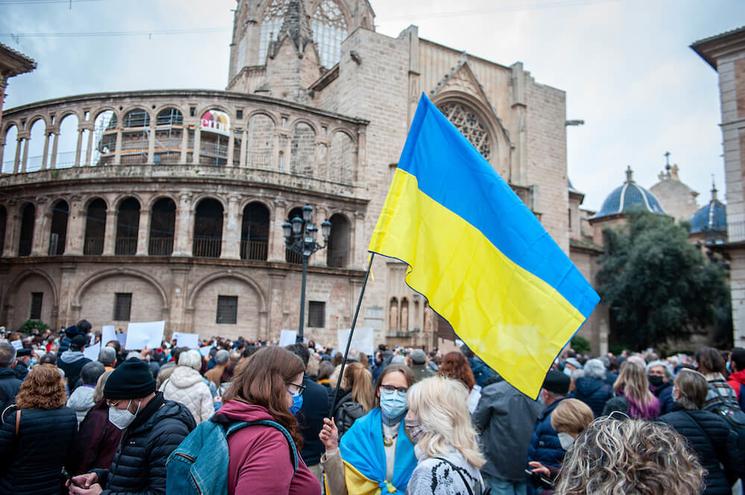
{"x": 556, "y": 382}
{"x": 131, "y": 380}
{"x": 78, "y": 342}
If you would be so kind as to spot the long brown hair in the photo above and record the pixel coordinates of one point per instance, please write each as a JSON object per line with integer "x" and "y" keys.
{"x": 43, "y": 388}
{"x": 455, "y": 365}
{"x": 262, "y": 380}
{"x": 359, "y": 380}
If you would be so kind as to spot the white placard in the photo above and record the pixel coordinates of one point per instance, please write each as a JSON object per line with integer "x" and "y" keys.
{"x": 190, "y": 340}
{"x": 108, "y": 333}
{"x": 92, "y": 352}
{"x": 205, "y": 351}
{"x": 287, "y": 337}
{"x": 122, "y": 338}
{"x": 363, "y": 340}
{"x": 17, "y": 344}
{"x": 92, "y": 339}
{"x": 145, "y": 334}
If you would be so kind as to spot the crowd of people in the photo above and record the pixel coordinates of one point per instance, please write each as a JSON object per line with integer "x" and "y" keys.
{"x": 252, "y": 417}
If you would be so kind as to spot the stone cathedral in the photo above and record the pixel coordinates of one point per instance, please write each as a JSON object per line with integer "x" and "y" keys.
{"x": 169, "y": 204}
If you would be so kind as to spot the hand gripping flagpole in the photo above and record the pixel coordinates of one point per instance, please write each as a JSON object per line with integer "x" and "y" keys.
{"x": 349, "y": 340}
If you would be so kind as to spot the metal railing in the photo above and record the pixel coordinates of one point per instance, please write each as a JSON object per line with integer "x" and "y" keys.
{"x": 93, "y": 246}
{"x": 125, "y": 246}
{"x": 160, "y": 246}
{"x": 254, "y": 250}
{"x": 207, "y": 247}
{"x": 293, "y": 257}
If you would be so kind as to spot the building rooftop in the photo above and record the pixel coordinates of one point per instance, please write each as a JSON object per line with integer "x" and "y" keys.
{"x": 629, "y": 197}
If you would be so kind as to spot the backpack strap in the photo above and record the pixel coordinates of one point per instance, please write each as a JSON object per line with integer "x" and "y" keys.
{"x": 18, "y": 421}
{"x": 294, "y": 456}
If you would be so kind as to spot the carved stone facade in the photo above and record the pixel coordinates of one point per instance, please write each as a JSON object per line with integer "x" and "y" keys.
{"x": 316, "y": 111}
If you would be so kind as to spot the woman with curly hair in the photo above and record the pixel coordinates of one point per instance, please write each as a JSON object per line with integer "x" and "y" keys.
{"x": 455, "y": 365}
{"x": 36, "y": 439}
{"x": 631, "y": 456}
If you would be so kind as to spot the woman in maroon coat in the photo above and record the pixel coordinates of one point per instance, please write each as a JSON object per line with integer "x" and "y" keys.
{"x": 97, "y": 438}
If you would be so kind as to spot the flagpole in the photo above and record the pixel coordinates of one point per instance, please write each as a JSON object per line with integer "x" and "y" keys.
{"x": 349, "y": 340}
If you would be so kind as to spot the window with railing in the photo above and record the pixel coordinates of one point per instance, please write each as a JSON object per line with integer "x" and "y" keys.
{"x": 208, "y": 218}
{"x": 316, "y": 314}
{"x": 37, "y": 299}
{"x": 227, "y": 310}
{"x": 122, "y": 306}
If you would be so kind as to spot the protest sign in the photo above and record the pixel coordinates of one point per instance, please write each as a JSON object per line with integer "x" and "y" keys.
{"x": 92, "y": 352}
{"x": 190, "y": 340}
{"x": 122, "y": 338}
{"x": 145, "y": 334}
{"x": 205, "y": 351}
{"x": 17, "y": 344}
{"x": 287, "y": 337}
{"x": 108, "y": 333}
{"x": 362, "y": 341}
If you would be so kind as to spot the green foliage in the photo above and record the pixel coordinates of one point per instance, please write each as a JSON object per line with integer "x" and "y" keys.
{"x": 30, "y": 325}
{"x": 656, "y": 284}
{"x": 580, "y": 344}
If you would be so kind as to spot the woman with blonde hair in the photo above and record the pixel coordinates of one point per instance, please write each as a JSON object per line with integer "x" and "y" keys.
{"x": 357, "y": 396}
{"x": 633, "y": 396}
{"x": 36, "y": 439}
{"x": 439, "y": 424}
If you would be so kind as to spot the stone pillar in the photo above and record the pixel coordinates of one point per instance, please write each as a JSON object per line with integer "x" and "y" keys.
{"x": 17, "y": 157}
{"x": 358, "y": 244}
{"x": 182, "y": 244}
{"x": 40, "y": 243}
{"x": 151, "y": 142}
{"x": 24, "y": 161}
{"x": 109, "y": 241}
{"x": 75, "y": 228}
{"x": 45, "y": 153}
{"x": 244, "y": 148}
{"x": 231, "y": 147}
{"x": 231, "y": 232}
{"x": 118, "y": 150}
{"x": 89, "y": 147}
{"x": 78, "y": 147}
{"x": 197, "y": 145}
{"x": 55, "y": 145}
{"x": 143, "y": 231}
{"x": 10, "y": 249}
{"x": 320, "y": 258}
{"x": 184, "y": 144}
{"x": 276, "y": 237}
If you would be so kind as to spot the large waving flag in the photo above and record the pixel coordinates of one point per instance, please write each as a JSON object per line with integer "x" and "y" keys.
{"x": 479, "y": 255}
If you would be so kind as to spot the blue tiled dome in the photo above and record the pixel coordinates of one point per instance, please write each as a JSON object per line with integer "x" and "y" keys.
{"x": 629, "y": 197}
{"x": 710, "y": 218}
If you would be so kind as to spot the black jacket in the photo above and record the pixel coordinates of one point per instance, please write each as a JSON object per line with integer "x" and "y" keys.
{"x": 316, "y": 403}
{"x": 594, "y": 392}
{"x": 346, "y": 412}
{"x": 33, "y": 462}
{"x": 9, "y": 385}
{"x": 72, "y": 369}
{"x": 714, "y": 442}
{"x": 139, "y": 465}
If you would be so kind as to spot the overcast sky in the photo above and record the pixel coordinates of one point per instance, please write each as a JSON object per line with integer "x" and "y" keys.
{"x": 624, "y": 64}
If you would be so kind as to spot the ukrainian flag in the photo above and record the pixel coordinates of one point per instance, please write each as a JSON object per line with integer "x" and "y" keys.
{"x": 479, "y": 255}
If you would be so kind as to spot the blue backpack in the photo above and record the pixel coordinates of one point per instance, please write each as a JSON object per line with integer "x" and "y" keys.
{"x": 200, "y": 464}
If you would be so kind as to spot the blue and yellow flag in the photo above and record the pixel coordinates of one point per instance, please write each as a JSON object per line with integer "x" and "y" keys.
{"x": 479, "y": 255}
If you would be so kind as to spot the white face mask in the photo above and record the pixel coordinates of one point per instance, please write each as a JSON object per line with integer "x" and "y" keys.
{"x": 122, "y": 418}
{"x": 566, "y": 440}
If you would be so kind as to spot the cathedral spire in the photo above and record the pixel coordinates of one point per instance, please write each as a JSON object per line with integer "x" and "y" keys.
{"x": 296, "y": 26}
{"x": 629, "y": 174}
{"x": 713, "y": 189}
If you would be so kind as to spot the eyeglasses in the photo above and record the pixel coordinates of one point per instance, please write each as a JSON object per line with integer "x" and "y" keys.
{"x": 112, "y": 403}
{"x": 294, "y": 388}
{"x": 391, "y": 388}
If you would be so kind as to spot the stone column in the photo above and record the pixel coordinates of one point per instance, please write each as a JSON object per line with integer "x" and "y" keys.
{"x": 78, "y": 147}
{"x": 40, "y": 243}
{"x": 89, "y": 147}
{"x": 231, "y": 147}
{"x": 197, "y": 145}
{"x": 182, "y": 246}
{"x": 276, "y": 237}
{"x": 109, "y": 241}
{"x": 118, "y": 150}
{"x": 231, "y": 232}
{"x": 320, "y": 258}
{"x": 151, "y": 142}
{"x": 17, "y": 157}
{"x": 244, "y": 148}
{"x": 24, "y": 160}
{"x": 75, "y": 228}
{"x": 142, "y": 232}
{"x": 55, "y": 145}
{"x": 45, "y": 153}
{"x": 358, "y": 244}
{"x": 10, "y": 248}
{"x": 184, "y": 144}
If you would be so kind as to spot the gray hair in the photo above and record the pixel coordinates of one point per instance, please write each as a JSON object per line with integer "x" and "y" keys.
{"x": 107, "y": 356}
{"x": 191, "y": 358}
{"x": 665, "y": 366}
{"x": 7, "y": 354}
{"x": 222, "y": 356}
{"x": 594, "y": 368}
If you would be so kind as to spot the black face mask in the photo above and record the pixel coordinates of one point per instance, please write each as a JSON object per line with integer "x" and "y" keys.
{"x": 656, "y": 380}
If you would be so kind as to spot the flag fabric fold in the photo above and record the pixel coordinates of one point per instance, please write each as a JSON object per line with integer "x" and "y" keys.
{"x": 479, "y": 255}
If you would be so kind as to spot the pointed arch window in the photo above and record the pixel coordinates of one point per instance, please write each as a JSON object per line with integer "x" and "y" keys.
{"x": 270, "y": 26}
{"x": 469, "y": 124}
{"x": 329, "y": 30}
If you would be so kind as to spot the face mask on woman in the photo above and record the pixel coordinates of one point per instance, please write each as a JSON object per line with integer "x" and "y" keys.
{"x": 566, "y": 440}
{"x": 393, "y": 404}
{"x": 122, "y": 418}
{"x": 297, "y": 403}
{"x": 414, "y": 429}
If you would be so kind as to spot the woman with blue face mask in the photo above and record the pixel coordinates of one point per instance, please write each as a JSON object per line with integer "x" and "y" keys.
{"x": 375, "y": 455}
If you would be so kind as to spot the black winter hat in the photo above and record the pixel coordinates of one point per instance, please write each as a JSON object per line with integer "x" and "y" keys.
{"x": 557, "y": 382}
{"x": 78, "y": 342}
{"x": 130, "y": 380}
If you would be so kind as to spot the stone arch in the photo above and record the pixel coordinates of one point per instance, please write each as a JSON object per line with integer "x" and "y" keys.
{"x": 207, "y": 195}
{"x": 260, "y": 140}
{"x": 134, "y": 108}
{"x": 226, "y": 274}
{"x": 36, "y": 136}
{"x": 117, "y": 202}
{"x": 166, "y": 106}
{"x": 342, "y": 163}
{"x": 113, "y": 272}
{"x": 37, "y": 116}
{"x": 306, "y": 121}
{"x": 216, "y": 106}
{"x": 93, "y": 198}
{"x": 264, "y": 112}
{"x": 339, "y": 245}
{"x": 303, "y": 149}
{"x": 158, "y": 196}
{"x": 14, "y": 300}
{"x": 10, "y": 147}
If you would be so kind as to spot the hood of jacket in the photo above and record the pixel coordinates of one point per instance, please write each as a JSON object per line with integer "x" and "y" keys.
{"x": 6, "y": 373}
{"x": 71, "y": 356}
{"x": 236, "y": 410}
{"x": 185, "y": 377}
{"x": 82, "y": 398}
{"x": 587, "y": 386}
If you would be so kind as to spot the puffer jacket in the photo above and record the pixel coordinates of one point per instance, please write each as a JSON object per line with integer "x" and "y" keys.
{"x": 594, "y": 392}
{"x": 714, "y": 442}
{"x": 186, "y": 385}
{"x": 545, "y": 446}
{"x": 9, "y": 385}
{"x": 81, "y": 401}
{"x": 139, "y": 465}
{"x": 32, "y": 462}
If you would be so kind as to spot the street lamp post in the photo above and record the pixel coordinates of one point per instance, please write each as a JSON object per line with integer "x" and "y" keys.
{"x": 300, "y": 237}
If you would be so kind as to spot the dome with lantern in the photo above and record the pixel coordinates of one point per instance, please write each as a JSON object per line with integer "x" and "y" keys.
{"x": 629, "y": 197}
